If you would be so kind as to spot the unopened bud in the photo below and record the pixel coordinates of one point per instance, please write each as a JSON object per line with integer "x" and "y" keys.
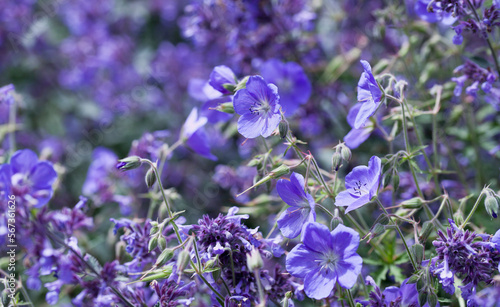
{"x": 336, "y": 221}
{"x": 226, "y": 107}
{"x": 153, "y": 243}
{"x": 413, "y": 279}
{"x": 418, "y": 252}
{"x": 283, "y": 128}
{"x": 164, "y": 257}
{"x": 426, "y": 230}
{"x": 395, "y": 181}
{"x": 162, "y": 243}
{"x": 150, "y": 177}
{"x": 154, "y": 228}
{"x": 254, "y": 260}
{"x": 182, "y": 260}
{"x": 336, "y": 161}
{"x": 432, "y": 299}
{"x": 413, "y": 203}
{"x": 129, "y": 163}
{"x": 491, "y": 205}
{"x": 280, "y": 171}
{"x": 422, "y": 298}
{"x": 346, "y": 153}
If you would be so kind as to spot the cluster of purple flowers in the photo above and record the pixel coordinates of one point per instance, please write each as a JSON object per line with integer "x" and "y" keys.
{"x": 467, "y": 255}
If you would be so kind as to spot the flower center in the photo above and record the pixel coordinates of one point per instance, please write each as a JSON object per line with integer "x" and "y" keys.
{"x": 329, "y": 261}
{"x": 360, "y": 188}
{"x": 260, "y": 107}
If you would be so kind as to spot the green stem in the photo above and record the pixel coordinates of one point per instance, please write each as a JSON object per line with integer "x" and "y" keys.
{"x": 497, "y": 65}
{"x": 415, "y": 267}
{"x": 473, "y": 210}
{"x": 262, "y": 297}
{"x": 350, "y": 299}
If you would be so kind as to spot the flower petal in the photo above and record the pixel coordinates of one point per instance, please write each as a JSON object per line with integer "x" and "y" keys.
{"x": 23, "y": 161}
{"x": 270, "y": 124}
{"x": 319, "y": 283}
{"x": 345, "y": 240}
{"x": 292, "y": 192}
{"x": 301, "y": 260}
{"x": 348, "y": 270}
{"x": 250, "y": 125}
{"x": 317, "y": 237}
{"x": 291, "y": 221}
{"x": 345, "y": 198}
{"x": 366, "y": 110}
{"x": 43, "y": 175}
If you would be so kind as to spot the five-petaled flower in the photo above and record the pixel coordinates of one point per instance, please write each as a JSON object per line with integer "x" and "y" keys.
{"x": 258, "y": 105}
{"x": 29, "y": 179}
{"x": 325, "y": 258}
{"x": 356, "y": 137}
{"x": 369, "y": 95}
{"x": 361, "y": 185}
{"x": 301, "y": 210}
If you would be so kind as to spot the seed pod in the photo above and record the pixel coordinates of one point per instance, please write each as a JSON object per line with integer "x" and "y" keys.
{"x": 413, "y": 279}
{"x": 164, "y": 257}
{"x": 336, "y": 221}
{"x": 376, "y": 231}
{"x": 150, "y": 178}
{"x": 154, "y": 228}
{"x": 182, "y": 260}
{"x": 422, "y": 298}
{"x": 280, "y": 171}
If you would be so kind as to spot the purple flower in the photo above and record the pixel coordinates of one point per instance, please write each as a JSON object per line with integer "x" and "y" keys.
{"x": 6, "y": 94}
{"x": 28, "y": 178}
{"x": 369, "y": 94}
{"x": 325, "y": 258}
{"x": 222, "y": 75}
{"x": 361, "y": 185}
{"x": 301, "y": 210}
{"x": 356, "y": 137}
{"x": 458, "y": 39}
{"x": 295, "y": 88}
{"x": 195, "y": 136}
{"x": 258, "y": 105}
{"x": 437, "y": 13}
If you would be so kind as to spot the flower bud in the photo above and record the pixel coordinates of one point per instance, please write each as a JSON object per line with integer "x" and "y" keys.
{"x": 418, "y": 252}
{"x": 254, "y": 260}
{"x": 491, "y": 205}
{"x": 164, "y": 257}
{"x": 422, "y": 298}
{"x": 432, "y": 299}
{"x": 336, "y": 161}
{"x": 129, "y": 163}
{"x": 336, "y": 221}
{"x": 346, "y": 153}
{"x": 283, "y": 128}
{"x": 226, "y": 107}
{"x": 426, "y": 230}
{"x": 150, "y": 177}
{"x": 413, "y": 279}
{"x": 154, "y": 228}
{"x": 280, "y": 171}
{"x": 162, "y": 243}
{"x": 182, "y": 260}
{"x": 152, "y": 243}
{"x": 413, "y": 203}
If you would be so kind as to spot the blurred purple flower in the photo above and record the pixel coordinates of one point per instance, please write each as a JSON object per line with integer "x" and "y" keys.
{"x": 27, "y": 178}
{"x": 194, "y": 136}
{"x": 356, "y": 137}
{"x": 301, "y": 210}
{"x": 220, "y": 76}
{"x": 369, "y": 95}
{"x": 437, "y": 13}
{"x": 294, "y": 86}
{"x": 361, "y": 185}
{"x": 325, "y": 258}
{"x": 258, "y": 105}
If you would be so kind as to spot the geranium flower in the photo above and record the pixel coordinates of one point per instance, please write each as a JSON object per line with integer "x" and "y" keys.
{"x": 356, "y": 137}
{"x": 194, "y": 136}
{"x": 369, "y": 94}
{"x": 325, "y": 258}
{"x": 222, "y": 75}
{"x": 301, "y": 210}
{"x": 27, "y": 178}
{"x": 361, "y": 185}
{"x": 295, "y": 88}
{"x": 258, "y": 105}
